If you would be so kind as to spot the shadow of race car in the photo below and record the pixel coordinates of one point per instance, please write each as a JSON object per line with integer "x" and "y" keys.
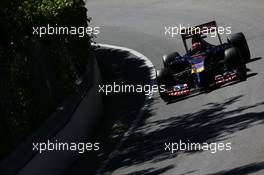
{"x": 205, "y": 66}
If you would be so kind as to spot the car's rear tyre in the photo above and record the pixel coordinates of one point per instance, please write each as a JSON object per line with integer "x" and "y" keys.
{"x": 239, "y": 40}
{"x": 169, "y": 58}
{"x": 164, "y": 78}
{"x": 233, "y": 60}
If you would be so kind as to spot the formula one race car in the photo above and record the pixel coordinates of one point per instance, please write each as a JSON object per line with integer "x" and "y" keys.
{"x": 205, "y": 66}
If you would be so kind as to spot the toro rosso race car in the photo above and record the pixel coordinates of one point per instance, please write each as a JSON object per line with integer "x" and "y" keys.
{"x": 205, "y": 66}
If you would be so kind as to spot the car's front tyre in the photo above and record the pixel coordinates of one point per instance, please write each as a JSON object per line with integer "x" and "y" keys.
{"x": 164, "y": 78}
{"x": 239, "y": 41}
{"x": 167, "y": 59}
{"x": 233, "y": 60}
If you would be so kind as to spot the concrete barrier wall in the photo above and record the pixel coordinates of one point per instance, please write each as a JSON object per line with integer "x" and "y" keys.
{"x": 77, "y": 128}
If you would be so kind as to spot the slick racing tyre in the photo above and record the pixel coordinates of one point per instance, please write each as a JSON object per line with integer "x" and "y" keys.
{"x": 233, "y": 60}
{"x": 164, "y": 78}
{"x": 239, "y": 40}
{"x": 169, "y": 58}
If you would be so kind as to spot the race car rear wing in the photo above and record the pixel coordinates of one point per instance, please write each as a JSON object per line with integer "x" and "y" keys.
{"x": 202, "y": 29}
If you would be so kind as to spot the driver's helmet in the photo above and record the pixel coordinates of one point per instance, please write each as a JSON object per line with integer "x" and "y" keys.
{"x": 196, "y": 45}
{"x": 196, "y": 42}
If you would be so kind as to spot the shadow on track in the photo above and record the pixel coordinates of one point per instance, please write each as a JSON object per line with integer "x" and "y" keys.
{"x": 212, "y": 124}
{"x": 246, "y": 169}
{"x": 152, "y": 171}
{"x": 120, "y": 109}
{"x": 254, "y": 59}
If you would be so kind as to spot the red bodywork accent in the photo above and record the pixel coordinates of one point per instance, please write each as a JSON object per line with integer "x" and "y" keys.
{"x": 222, "y": 79}
{"x": 179, "y": 92}
{"x": 219, "y": 80}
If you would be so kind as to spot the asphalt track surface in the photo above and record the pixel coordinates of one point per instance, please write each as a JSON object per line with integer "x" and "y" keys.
{"x": 232, "y": 114}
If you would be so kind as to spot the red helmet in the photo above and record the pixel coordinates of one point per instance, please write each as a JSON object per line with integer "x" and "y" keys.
{"x": 196, "y": 45}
